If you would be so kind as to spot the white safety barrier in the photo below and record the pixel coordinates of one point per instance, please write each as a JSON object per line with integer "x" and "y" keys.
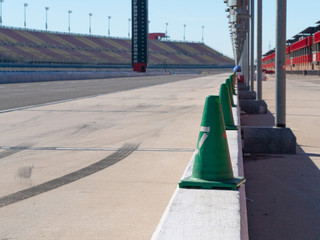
{"x": 208, "y": 214}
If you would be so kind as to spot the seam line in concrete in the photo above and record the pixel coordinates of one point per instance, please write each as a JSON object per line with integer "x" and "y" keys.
{"x": 94, "y": 111}
{"x": 107, "y": 149}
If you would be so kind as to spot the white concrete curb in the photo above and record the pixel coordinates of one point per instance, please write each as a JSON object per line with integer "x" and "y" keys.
{"x": 208, "y": 214}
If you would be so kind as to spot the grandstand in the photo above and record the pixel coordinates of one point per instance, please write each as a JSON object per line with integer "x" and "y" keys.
{"x": 27, "y": 46}
{"x": 302, "y": 53}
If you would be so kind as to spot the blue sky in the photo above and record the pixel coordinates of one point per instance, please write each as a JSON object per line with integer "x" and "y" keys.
{"x": 195, "y": 14}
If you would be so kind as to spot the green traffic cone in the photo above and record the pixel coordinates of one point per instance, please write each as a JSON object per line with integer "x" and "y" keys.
{"x": 234, "y": 79}
{"x": 231, "y": 78}
{"x": 228, "y": 81}
{"x": 212, "y": 165}
{"x": 230, "y": 95}
{"x": 233, "y": 82}
{"x": 226, "y": 107}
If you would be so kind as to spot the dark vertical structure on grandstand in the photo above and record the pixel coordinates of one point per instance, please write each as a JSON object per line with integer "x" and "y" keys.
{"x": 139, "y": 35}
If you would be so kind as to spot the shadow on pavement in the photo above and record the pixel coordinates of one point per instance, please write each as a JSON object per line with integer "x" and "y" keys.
{"x": 283, "y": 196}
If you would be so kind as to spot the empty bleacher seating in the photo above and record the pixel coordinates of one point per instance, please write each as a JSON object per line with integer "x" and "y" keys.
{"x": 25, "y": 46}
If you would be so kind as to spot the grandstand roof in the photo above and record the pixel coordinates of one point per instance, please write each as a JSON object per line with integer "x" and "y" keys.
{"x": 269, "y": 52}
{"x": 290, "y": 41}
{"x": 309, "y": 30}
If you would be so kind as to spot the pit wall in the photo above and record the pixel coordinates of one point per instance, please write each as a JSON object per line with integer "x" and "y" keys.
{"x": 209, "y": 214}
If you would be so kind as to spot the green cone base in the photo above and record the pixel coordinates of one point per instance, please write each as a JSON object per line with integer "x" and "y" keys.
{"x": 191, "y": 182}
{"x": 230, "y": 127}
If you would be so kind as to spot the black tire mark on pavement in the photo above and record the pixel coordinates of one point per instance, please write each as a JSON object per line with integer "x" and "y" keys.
{"x": 119, "y": 155}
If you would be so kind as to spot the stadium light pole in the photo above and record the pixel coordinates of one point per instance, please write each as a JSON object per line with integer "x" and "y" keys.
{"x": 25, "y": 15}
{"x": 167, "y": 28}
{"x": 90, "y": 15}
{"x": 202, "y": 34}
{"x": 69, "y": 13}
{"x": 1, "y": 1}
{"x": 129, "y": 20}
{"x": 46, "y": 8}
{"x": 184, "y": 32}
{"x": 109, "y": 17}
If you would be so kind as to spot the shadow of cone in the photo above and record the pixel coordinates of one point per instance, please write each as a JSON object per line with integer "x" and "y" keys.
{"x": 226, "y": 107}
{"x": 212, "y": 166}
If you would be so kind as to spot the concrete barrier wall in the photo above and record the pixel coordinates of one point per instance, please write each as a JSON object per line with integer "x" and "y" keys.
{"x": 208, "y": 214}
{"x": 36, "y": 76}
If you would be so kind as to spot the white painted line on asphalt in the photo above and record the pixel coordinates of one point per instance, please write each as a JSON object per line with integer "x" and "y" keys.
{"x": 50, "y": 103}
